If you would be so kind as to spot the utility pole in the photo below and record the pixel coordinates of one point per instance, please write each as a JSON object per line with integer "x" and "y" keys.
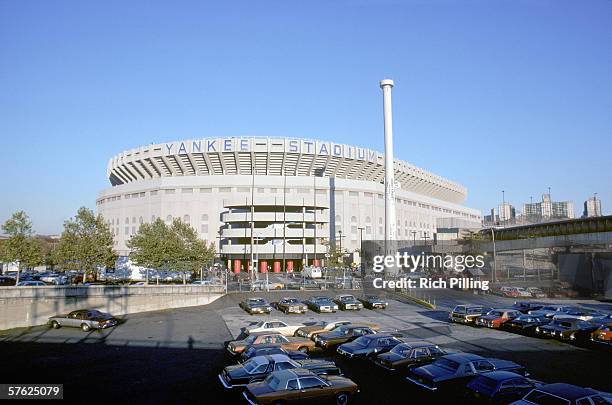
{"x": 361, "y": 248}
{"x": 413, "y": 237}
{"x": 494, "y": 278}
{"x": 252, "y": 270}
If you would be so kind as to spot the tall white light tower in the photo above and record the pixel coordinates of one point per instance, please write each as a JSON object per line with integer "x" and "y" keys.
{"x": 390, "y": 227}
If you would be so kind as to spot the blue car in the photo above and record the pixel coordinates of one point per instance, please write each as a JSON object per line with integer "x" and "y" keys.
{"x": 368, "y": 345}
{"x": 499, "y": 387}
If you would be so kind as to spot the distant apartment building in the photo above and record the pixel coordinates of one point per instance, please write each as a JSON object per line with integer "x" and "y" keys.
{"x": 507, "y": 213}
{"x": 548, "y": 209}
{"x": 592, "y": 207}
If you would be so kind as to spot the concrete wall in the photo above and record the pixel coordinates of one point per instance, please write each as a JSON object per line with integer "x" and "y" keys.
{"x": 29, "y": 306}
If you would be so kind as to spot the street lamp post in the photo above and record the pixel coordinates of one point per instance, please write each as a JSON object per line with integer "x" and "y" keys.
{"x": 361, "y": 249}
{"x": 494, "y": 278}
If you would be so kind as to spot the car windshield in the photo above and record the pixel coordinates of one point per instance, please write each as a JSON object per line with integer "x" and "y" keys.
{"x": 447, "y": 364}
{"x": 362, "y": 341}
{"x": 291, "y": 301}
{"x": 251, "y": 365}
{"x": 256, "y": 301}
{"x": 525, "y": 318}
{"x": 474, "y": 310}
{"x": 539, "y": 397}
{"x": 497, "y": 314}
{"x": 273, "y": 382}
{"x": 342, "y": 330}
{"x": 400, "y": 349}
{"x": 346, "y": 298}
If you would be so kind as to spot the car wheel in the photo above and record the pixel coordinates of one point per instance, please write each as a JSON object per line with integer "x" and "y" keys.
{"x": 55, "y": 325}
{"x": 303, "y": 349}
{"x": 342, "y": 398}
{"x": 85, "y": 327}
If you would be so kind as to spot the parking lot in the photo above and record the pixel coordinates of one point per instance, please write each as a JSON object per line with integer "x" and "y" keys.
{"x": 175, "y": 355}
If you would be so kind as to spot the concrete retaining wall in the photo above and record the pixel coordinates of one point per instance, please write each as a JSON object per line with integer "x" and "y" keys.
{"x": 29, "y": 306}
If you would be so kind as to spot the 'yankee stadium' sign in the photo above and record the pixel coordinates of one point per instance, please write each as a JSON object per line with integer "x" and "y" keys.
{"x": 287, "y": 145}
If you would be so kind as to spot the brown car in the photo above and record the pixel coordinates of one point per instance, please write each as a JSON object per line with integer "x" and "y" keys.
{"x": 300, "y": 385}
{"x": 265, "y": 338}
{"x": 312, "y": 331}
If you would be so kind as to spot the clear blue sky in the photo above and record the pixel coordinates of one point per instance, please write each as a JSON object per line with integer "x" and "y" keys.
{"x": 513, "y": 95}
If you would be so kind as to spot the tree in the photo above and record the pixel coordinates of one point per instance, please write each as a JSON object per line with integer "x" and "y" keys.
{"x": 86, "y": 243}
{"x": 336, "y": 256}
{"x": 175, "y": 247}
{"x": 20, "y": 247}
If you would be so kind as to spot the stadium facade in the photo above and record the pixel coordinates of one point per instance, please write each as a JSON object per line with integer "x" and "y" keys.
{"x": 281, "y": 199}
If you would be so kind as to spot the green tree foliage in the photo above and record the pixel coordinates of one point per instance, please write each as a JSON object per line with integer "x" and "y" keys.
{"x": 20, "y": 247}
{"x": 336, "y": 256}
{"x": 175, "y": 247}
{"x": 86, "y": 243}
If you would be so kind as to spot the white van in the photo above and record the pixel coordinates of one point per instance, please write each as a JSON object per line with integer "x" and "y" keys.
{"x": 312, "y": 272}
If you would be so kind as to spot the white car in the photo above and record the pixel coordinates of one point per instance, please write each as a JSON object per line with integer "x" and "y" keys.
{"x": 273, "y": 326}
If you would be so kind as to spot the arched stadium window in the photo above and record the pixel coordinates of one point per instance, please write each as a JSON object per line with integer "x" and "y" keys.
{"x": 127, "y": 220}
{"x": 133, "y": 220}
{"x": 204, "y": 217}
{"x": 140, "y": 220}
{"x": 152, "y": 218}
{"x": 186, "y": 218}
{"x": 353, "y": 220}
{"x": 368, "y": 220}
{"x": 169, "y": 218}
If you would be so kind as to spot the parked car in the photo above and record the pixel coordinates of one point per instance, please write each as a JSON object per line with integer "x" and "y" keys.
{"x": 269, "y": 349}
{"x": 409, "y": 354}
{"x": 496, "y": 318}
{"x": 551, "y": 310}
{"x": 368, "y": 345}
{"x": 321, "y": 304}
{"x": 561, "y": 393}
{"x": 342, "y": 335}
{"x": 263, "y": 285}
{"x": 273, "y": 326}
{"x": 291, "y": 305}
{"x": 373, "y": 302}
{"x": 258, "y": 368}
{"x": 526, "y": 306}
{"x": 236, "y": 347}
{"x": 467, "y": 314}
{"x": 295, "y": 385}
{"x": 305, "y": 284}
{"x": 525, "y": 324}
{"x": 31, "y": 284}
{"x": 348, "y": 302}
{"x": 6, "y": 281}
{"x": 319, "y": 327}
{"x": 256, "y": 306}
{"x": 536, "y": 292}
{"x": 454, "y": 370}
{"x": 86, "y": 319}
{"x": 603, "y": 334}
{"x": 571, "y": 329}
{"x": 498, "y": 387}
{"x": 579, "y": 313}
{"x": 514, "y": 292}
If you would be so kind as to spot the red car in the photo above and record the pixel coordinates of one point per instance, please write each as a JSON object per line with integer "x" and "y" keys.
{"x": 497, "y": 317}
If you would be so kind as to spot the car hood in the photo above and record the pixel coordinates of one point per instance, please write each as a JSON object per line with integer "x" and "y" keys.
{"x": 353, "y": 348}
{"x": 259, "y": 388}
{"x": 315, "y": 363}
{"x": 433, "y": 372}
{"x": 392, "y": 357}
{"x": 236, "y": 371}
{"x": 554, "y": 327}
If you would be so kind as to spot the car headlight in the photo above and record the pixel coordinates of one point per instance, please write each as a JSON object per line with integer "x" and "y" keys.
{"x": 537, "y": 329}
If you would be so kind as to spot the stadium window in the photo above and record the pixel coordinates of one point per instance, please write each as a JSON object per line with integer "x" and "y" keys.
{"x": 152, "y": 218}
{"x": 127, "y": 230}
{"x": 133, "y": 230}
{"x": 133, "y": 220}
{"x": 204, "y": 228}
{"x": 169, "y": 191}
{"x": 187, "y": 191}
{"x": 204, "y": 217}
{"x": 206, "y": 190}
{"x": 368, "y": 230}
{"x": 153, "y": 192}
{"x": 140, "y": 220}
{"x": 186, "y": 218}
{"x": 127, "y": 220}
{"x": 169, "y": 218}
{"x": 225, "y": 189}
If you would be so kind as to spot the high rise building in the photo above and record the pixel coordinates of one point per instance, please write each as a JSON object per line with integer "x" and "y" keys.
{"x": 592, "y": 207}
{"x": 507, "y": 213}
{"x": 548, "y": 209}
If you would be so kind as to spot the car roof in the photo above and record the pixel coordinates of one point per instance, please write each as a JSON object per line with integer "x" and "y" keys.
{"x": 414, "y": 345}
{"x": 567, "y": 391}
{"x": 469, "y": 306}
{"x": 278, "y": 357}
{"x": 463, "y": 357}
{"x": 500, "y": 375}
